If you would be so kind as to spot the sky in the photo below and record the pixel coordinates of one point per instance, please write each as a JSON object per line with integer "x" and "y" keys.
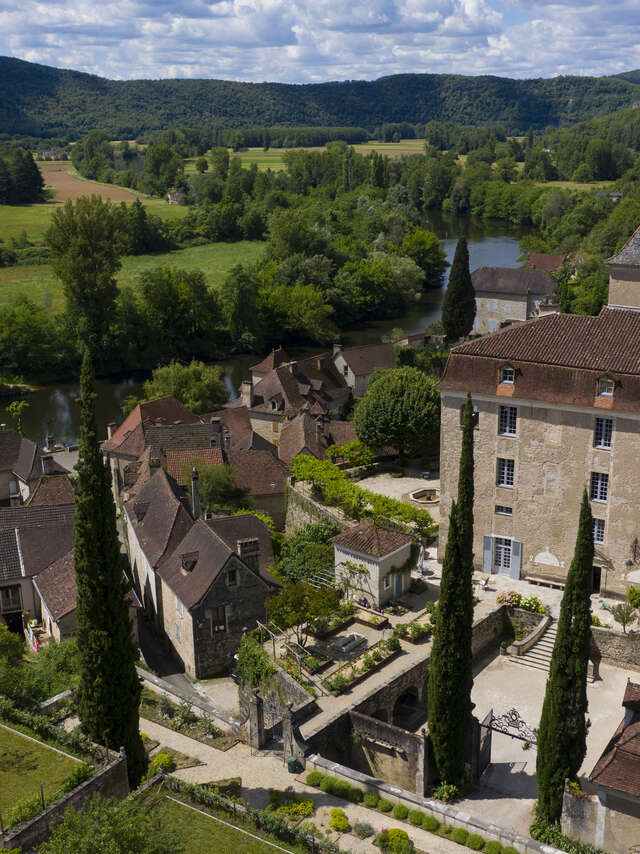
{"x": 309, "y": 41}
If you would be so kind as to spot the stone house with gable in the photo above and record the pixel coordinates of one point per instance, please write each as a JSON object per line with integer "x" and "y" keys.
{"x": 386, "y": 555}
{"x": 505, "y": 295}
{"x": 557, "y": 403}
{"x": 22, "y": 464}
{"x": 357, "y": 364}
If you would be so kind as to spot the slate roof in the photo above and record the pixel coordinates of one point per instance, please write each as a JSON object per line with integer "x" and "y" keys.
{"x": 33, "y": 537}
{"x": 369, "y": 539}
{"x": 238, "y": 431}
{"x": 341, "y": 432}
{"x": 166, "y": 409}
{"x": 365, "y": 360}
{"x": 507, "y": 280}
{"x": 275, "y": 358}
{"x": 57, "y": 586}
{"x": 26, "y": 515}
{"x": 177, "y": 460}
{"x": 176, "y": 437}
{"x": 52, "y": 490}
{"x": 40, "y": 545}
{"x": 546, "y": 262}
{"x": 158, "y": 516}
{"x": 629, "y": 255}
{"x": 9, "y": 557}
{"x": 258, "y": 472}
{"x": 608, "y": 342}
{"x": 19, "y": 455}
{"x": 245, "y": 526}
{"x": 302, "y": 433}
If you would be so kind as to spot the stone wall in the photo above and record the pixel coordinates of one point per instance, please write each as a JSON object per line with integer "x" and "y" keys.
{"x": 615, "y": 647}
{"x": 282, "y": 689}
{"x": 488, "y": 631}
{"x": 606, "y": 822}
{"x": 302, "y": 510}
{"x": 110, "y": 782}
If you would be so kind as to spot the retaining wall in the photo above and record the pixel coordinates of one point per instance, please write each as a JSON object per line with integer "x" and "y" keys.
{"x": 303, "y": 510}
{"x": 614, "y": 647}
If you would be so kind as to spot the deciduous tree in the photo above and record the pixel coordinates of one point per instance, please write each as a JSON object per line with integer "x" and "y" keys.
{"x": 200, "y": 387}
{"x": 297, "y": 604}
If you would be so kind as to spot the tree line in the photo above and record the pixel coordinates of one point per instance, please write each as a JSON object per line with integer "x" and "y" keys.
{"x": 20, "y": 179}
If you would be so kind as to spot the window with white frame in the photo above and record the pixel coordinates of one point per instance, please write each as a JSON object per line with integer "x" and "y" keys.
{"x": 507, "y": 421}
{"x": 493, "y": 325}
{"x": 599, "y": 486}
{"x": 507, "y": 375}
{"x": 492, "y": 305}
{"x": 502, "y": 554}
{"x": 502, "y": 510}
{"x": 507, "y": 309}
{"x": 598, "y": 530}
{"x": 602, "y": 433}
{"x": 505, "y": 472}
{"x": 605, "y": 387}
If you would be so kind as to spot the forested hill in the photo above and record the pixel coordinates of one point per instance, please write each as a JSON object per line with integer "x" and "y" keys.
{"x": 38, "y": 100}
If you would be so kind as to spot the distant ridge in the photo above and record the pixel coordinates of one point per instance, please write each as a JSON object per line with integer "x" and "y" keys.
{"x": 43, "y": 101}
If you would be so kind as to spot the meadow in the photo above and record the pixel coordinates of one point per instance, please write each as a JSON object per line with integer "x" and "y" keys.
{"x": 40, "y": 284}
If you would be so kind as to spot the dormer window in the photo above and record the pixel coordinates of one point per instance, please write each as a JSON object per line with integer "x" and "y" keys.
{"x": 232, "y": 578}
{"x": 605, "y": 387}
{"x": 507, "y": 375}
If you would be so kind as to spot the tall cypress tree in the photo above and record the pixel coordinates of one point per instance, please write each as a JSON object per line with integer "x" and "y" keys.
{"x": 450, "y": 671}
{"x": 109, "y": 688}
{"x": 459, "y": 304}
{"x": 562, "y": 736}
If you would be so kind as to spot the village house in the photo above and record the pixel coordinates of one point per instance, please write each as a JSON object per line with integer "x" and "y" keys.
{"x": 22, "y": 464}
{"x": 545, "y": 262}
{"x": 202, "y": 582}
{"x": 610, "y": 819}
{"x": 357, "y": 364}
{"x": 557, "y": 403}
{"x": 313, "y": 435}
{"x": 505, "y": 295}
{"x": 373, "y": 562}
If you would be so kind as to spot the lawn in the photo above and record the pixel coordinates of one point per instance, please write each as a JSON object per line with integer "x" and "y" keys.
{"x": 215, "y": 259}
{"x": 576, "y": 185}
{"x": 202, "y": 835}
{"x": 24, "y": 765}
{"x": 272, "y": 159}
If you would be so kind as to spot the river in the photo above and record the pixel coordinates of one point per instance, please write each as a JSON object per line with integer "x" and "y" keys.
{"x": 55, "y": 409}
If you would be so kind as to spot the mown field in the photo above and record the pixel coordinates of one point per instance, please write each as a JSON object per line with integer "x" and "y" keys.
{"x": 34, "y": 219}
{"x": 214, "y": 259}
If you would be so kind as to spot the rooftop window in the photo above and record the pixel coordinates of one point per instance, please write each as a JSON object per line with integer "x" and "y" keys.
{"x": 605, "y": 387}
{"x": 507, "y": 375}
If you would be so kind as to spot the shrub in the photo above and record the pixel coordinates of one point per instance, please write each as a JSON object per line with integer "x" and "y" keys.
{"x": 402, "y": 630}
{"x": 393, "y": 644}
{"x": 460, "y": 835}
{"x": 431, "y": 823}
{"x": 633, "y": 596}
{"x": 416, "y": 817}
{"x": 492, "y": 847}
{"x": 596, "y": 621}
{"x": 165, "y": 706}
{"x": 475, "y": 842}
{"x": 314, "y": 778}
{"x": 509, "y": 849}
{"x": 162, "y": 761}
{"x": 400, "y": 812}
{"x": 325, "y": 784}
{"x": 299, "y": 808}
{"x": 363, "y": 830}
{"x": 371, "y": 800}
{"x": 25, "y": 810}
{"x": 398, "y": 841}
{"x": 510, "y": 597}
{"x": 446, "y": 792}
{"x": 78, "y": 775}
{"x": 337, "y": 685}
{"x": 376, "y": 655}
{"x": 368, "y": 662}
{"x": 355, "y": 795}
{"x": 384, "y": 805}
{"x": 532, "y": 603}
{"x": 339, "y": 821}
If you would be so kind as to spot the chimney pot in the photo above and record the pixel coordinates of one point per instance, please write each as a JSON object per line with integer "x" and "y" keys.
{"x": 196, "y": 505}
{"x": 111, "y": 429}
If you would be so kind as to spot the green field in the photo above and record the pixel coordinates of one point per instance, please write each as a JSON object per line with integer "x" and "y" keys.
{"x": 203, "y": 835}
{"x": 576, "y": 185}
{"x": 24, "y": 765}
{"x": 215, "y": 259}
{"x": 272, "y": 159}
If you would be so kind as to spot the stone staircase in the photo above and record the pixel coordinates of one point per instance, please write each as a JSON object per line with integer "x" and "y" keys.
{"x": 539, "y": 656}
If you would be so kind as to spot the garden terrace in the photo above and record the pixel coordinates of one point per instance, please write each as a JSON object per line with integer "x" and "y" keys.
{"x": 181, "y": 718}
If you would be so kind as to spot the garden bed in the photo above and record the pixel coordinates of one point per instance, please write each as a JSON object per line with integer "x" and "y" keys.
{"x": 371, "y": 619}
{"x": 332, "y": 627}
{"x": 179, "y": 718}
{"x": 366, "y": 664}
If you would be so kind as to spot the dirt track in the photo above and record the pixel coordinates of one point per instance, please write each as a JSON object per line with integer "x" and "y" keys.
{"x": 67, "y": 186}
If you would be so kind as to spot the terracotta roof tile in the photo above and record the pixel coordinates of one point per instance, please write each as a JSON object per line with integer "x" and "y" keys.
{"x": 619, "y": 766}
{"x": 275, "y": 358}
{"x": 303, "y": 434}
{"x": 57, "y": 586}
{"x": 177, "y": 460}
{"x": 167, "y": 409}
{"x": 373, "y": 540}
{"x": 259, "y": 472}
{"x": 631, "y": 699}
{"x": 545, "y": 262}
{"x": 52, "y": 489}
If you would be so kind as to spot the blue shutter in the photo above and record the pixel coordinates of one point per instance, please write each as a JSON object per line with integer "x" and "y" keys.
{"x": 487, "y": 554}
{"x": 516, "y": 559}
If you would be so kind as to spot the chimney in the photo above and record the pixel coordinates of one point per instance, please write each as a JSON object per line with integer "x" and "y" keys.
{"x": 246, "y": 393}
{"x": 337, "y": 348}
{"x": 48, "y": 464}
{"x": 196, "y": 506}
{"x": 249, "y": 552}
{"x": 111, "y": 429}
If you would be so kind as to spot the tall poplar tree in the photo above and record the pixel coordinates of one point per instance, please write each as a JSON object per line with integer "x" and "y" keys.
{"x": 450, "y": 671}
{"x": 562, "y": 736}
{"x": 109, "y": 688}
{"x": 459, "y": 304}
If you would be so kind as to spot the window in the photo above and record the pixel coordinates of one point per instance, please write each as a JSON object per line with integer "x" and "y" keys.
{"x": 507, "y": 309}
{"x": 505, "y": 472}
{"x": 602, "y": 433}
{"x": 232, "y": 578}
{"x": 345, "y": 370}
{"x": 502, "y": 554}
{"x": 599, "y": 486}
{"x": 492, "y": 305}
{"x": 387, "y": 582}
{"x": 501, "y": 510}
{"x": 598, "y": 530}
{"x": 493, "y": 325}
{"x": 507, "y": 421}
{"x": 476, "y": 416}
{"x": 178, "y": 607}
{"x": 507, "y": 376}
{"x": 217, "y": 618}
{"x": 605, "y": 388}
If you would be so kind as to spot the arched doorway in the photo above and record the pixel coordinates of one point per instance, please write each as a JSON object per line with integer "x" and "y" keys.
{"x": 408, "y": 712}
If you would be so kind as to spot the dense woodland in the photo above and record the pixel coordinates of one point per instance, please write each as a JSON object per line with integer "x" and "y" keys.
{"x": 41, "y": 101}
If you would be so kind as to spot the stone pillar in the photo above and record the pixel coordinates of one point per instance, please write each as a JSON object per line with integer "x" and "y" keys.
{"x": 473, "y": 755}
{"x": 291, "y": 741}
{"x": 256, "y": 720}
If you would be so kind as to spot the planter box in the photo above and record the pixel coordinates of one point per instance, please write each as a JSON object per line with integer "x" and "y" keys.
{"x": 321, "y": 635}
{"x": 361, "y": 676}
{"x": 365, "y": 618}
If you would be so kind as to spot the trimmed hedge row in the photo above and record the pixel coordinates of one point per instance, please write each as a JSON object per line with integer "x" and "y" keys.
{"x": 42, "y": 726}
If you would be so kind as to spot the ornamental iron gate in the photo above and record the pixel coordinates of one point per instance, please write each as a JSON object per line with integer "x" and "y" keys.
{"x": 511, "y": 724}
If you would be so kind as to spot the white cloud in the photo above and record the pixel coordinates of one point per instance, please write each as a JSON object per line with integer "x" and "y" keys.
{"x": 315, "y": 40}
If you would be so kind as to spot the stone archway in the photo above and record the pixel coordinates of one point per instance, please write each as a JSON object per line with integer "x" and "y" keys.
{"x": 408, "y": 712}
